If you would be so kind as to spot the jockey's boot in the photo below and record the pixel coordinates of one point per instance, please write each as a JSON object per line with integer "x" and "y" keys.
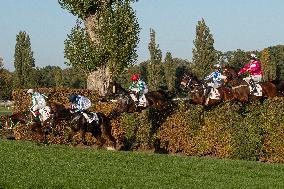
{"x": 137, "y": 103}
{"x": 207, "y": 91}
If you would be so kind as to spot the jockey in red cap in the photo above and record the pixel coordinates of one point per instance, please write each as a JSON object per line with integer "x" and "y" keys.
{"x": 139, "y": 88}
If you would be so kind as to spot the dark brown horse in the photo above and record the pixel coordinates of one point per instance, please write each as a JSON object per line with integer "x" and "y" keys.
{"x": 99, "y": 126}
{"x": 200, "y": 93}
{"x": 158, "y": 100}
{"x": 25, "y": 117}
{"x": 241, "y": 89}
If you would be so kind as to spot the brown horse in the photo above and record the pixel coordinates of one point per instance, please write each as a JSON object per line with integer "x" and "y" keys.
{"x": 241, "y": 89}
{"x": 197, "y": 91}
{"x": 158, "y": 100}
{"x": 99, "y": 126}
{"x": 20, "y": 117}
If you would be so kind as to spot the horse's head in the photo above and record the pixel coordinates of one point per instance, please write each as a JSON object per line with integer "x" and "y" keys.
{"x": 189, "y": 82}
{"x": 229, "y": 74}
{"x": 115, "y": 89}
{"x": 59, "y": 110}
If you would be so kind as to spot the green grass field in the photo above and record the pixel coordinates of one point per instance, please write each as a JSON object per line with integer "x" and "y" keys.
{"x": 31, "y": 165}
{"x": 5, "y": 111}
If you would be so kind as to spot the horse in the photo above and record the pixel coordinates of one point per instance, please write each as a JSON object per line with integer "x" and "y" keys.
{"x": 158, "y": 100}
{"x": 25, "y": 117}
{"x": 242, "y": 90}
{"x": 95, "y": 123}
{"x": 43, "y": 125}
{"x": 198, "y": 91}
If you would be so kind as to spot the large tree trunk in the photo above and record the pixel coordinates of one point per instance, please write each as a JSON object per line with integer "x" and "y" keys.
{"x": 99, "y": 79}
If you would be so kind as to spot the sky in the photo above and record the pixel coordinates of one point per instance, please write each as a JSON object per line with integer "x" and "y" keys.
{"x": 235, "y": 24}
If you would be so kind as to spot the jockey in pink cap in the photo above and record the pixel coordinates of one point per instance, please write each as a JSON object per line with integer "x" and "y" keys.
{"x": 254, "y": 70}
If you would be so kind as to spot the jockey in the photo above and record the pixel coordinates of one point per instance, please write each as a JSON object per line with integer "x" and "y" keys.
{"x": 254, "y": 70}
{"x": 216, "y": 78}
{"x": 139, "y": 88}
{"x": 79, "y": 103}
{"x": 38, "y": 102}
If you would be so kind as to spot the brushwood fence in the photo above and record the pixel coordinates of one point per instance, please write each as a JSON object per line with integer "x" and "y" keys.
{"x": 253, "y": 131}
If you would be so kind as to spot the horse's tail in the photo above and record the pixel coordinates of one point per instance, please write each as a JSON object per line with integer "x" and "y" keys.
{"x": 279, "y": 86}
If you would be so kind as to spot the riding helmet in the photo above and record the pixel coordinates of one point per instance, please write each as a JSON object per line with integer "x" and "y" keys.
{"x": 30, "y": 91}
{"x": 72, "y": 98}
{"x": 253, "y": 56}
{"x": 135, "y": 77}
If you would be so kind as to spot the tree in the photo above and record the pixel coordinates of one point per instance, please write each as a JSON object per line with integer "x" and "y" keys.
{"x": 23, "y": 62}
{"x": 170, "y": 71}
{"x": 268, "y": 66}
{"x": 204, "y": 54}
{"x": 155, "y": 74}
{"x": 50, "y": 76}
{"x": 73, "y": 78}
{"x": 5, "y": 82}
{"x": 107, "y": 43}
{"x": 236, "y": 59}
{"x": 277, "y": 56}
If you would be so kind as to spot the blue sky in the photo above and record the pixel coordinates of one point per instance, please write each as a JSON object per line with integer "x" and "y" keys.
{"x": 235, "y": 24}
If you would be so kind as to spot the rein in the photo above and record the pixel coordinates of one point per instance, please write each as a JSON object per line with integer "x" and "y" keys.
{"x": 239, "y": 86}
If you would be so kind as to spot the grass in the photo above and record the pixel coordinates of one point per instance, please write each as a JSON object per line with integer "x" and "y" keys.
{"x": 5, "y": 111}
{"x": 30, "y": 165}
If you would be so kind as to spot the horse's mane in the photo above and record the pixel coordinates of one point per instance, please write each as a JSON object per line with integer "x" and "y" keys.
{"x": 231, "y": 70}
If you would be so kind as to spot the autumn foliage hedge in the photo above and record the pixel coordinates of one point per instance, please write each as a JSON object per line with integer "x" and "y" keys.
{"x": 253, "y": 131}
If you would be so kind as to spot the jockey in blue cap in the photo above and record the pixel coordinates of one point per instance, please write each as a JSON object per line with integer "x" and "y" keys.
{"x": 217, "y": 79}
{"x": 79, "y": 103}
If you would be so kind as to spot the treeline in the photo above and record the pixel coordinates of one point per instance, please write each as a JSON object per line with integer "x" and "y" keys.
{"x": 158, "y": 73}
{"x": 27, "y": 75}
{"x": 46, "y": 77}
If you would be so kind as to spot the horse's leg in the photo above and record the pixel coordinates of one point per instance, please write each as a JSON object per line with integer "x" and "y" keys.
{"x": 106, "y": 136}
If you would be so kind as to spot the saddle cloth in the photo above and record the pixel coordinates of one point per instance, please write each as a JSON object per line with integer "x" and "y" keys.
{"x": 92, "y": 116}
{"x": 214, "y": 94}
{"x": 142, "y": 100}
{"x": 258, "y": 91}
{"x": 44, "y": 113}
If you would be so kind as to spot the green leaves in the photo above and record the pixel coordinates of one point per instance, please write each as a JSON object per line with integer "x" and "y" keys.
{"x": 23, "y": 62}
{"x": 116, "y": 39}
{"x": 204, "y": 54}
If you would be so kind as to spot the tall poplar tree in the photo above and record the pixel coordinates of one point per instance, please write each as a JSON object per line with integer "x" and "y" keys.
{"x": 107, "y": 42}
{"x": 155, "y": 70}
{"x": 170, "y": 71}
{"x": 268, "y": 66}
{"x": 204, "y": 54}
{"x": 23, "y": 62}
